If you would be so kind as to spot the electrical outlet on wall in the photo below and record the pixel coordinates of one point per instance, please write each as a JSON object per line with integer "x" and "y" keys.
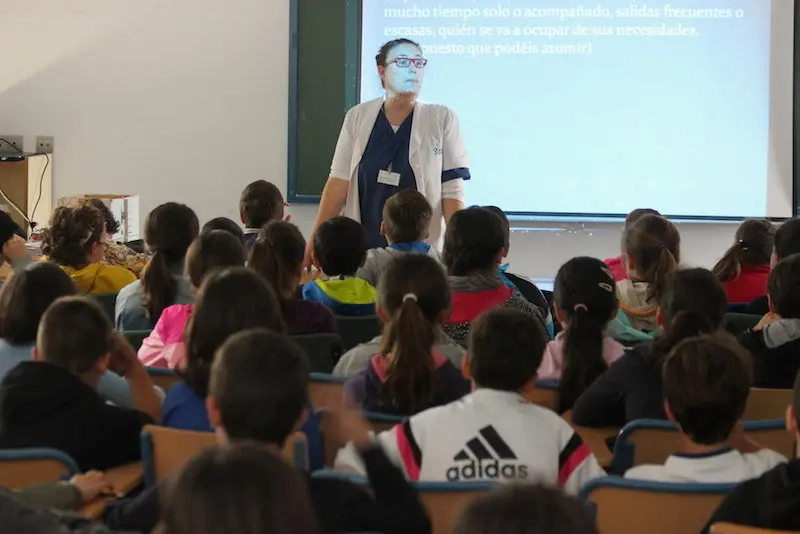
{"x": 45, "y": 143}
{"x": 11, "y": 143}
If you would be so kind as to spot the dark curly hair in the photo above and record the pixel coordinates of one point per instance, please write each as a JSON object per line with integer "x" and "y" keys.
{"x": 112, "y": 225}
{"x": 72, "y": 231}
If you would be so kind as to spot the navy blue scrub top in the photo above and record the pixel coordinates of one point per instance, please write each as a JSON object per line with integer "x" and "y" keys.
{"x": 383, "y": 148}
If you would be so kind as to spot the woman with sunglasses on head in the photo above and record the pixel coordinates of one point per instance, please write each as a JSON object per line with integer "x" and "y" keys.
{"x": 393, "y": 143}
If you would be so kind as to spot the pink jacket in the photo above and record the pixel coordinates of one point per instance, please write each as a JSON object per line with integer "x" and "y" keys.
{"x": 553, "y": 359}
{"x": 165, "y": 346}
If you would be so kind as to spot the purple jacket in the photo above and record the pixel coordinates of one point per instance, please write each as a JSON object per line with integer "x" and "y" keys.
{"x": 365, "y": 387}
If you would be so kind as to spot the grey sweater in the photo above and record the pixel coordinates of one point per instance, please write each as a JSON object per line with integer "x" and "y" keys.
{"x": 356, "y": 359}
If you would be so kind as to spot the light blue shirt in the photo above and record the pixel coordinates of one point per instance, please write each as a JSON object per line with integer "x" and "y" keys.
{"x": 130, "y": 313}
{"x": 112, "y": 387}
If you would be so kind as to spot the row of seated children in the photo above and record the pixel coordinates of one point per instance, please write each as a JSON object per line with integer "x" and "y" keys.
{"x": 258, "y": 392}
{"x": 506, "y": 352}
{"x": 743, "y": 268}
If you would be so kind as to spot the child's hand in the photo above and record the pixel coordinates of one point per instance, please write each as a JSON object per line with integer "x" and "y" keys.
{"x": 123, "y": 357}
{"x": 91, "y": 484}
{"x": 769, "y": 318}
{"x": 14, "y": 248}
{"x": 351, "y": 426}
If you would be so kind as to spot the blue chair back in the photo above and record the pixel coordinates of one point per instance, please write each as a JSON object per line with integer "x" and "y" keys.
{"x": 24, "y": 467}
{"x": 651, "y": 441}
{"x": 627, "y": 506}
{"x": 443, "y": 500}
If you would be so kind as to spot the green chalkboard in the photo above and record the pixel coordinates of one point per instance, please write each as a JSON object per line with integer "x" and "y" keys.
{"x": 323, "y": 85}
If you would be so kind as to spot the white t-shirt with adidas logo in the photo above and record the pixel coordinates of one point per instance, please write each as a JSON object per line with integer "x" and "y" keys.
{"x": 491, "y": 436}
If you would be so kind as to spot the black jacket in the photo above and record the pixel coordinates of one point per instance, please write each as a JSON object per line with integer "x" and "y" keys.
{"x": 771, "y": 501}
{"x": 393, "y": 508}
{"x": 776, "y": 353}
{"x": 760, "y": 306}
{"x": 630, "y": 389}
{"x": 42, "y": 405}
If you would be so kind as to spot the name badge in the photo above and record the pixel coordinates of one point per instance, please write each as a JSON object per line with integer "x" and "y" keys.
{"x": 389, "y": 178}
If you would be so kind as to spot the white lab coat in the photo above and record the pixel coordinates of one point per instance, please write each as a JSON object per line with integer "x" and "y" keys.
{"x": 436, "y": 145}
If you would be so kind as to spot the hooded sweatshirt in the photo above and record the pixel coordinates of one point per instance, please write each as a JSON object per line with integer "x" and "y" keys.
{"x": 771, "y": 501}
{"x": 100, "y": 278}
{"x": 474, "y": 294}
{"x": 776, "y": 353}
{"x": 345, "y": 295}
{"x": 42, "y": 405}
{"x": 636, "y": 318}
{"x": 356, "y": 359}
{"x": 365, "y": 388}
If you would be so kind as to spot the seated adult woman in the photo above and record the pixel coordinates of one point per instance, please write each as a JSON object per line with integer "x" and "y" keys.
{"x": 75, "y": 242}
{"x": 23, "y": 301}
{"x": 118, "y": 254}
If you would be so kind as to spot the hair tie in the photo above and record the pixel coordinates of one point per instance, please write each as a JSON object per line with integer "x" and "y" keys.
{"x": 605, "y": 286}
{"x": 409, "y": 296}
{"x": 580, "y": 307}
{"x": 86, "y": 238}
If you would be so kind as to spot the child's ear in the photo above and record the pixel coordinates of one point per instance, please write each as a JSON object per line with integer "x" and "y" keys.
{"x": 466, "y": 363}
{"x": 37, "y": 356}
{"x": 301, "y": 421}
{"x": 791, "y": 419}
{"x": 383, "y": 228}
{"x": 498, "y": 258}
{"x": 381, "y": 313}
{"x": 660, "y": 316}
{"x": 630, "y": 266}
{"x": 667, "y": 411}
{"x": 560, "y": 316}
{"x": 773, "y": 260}
{"x": 214, "y": 417}
{"x": 101, "y": 365}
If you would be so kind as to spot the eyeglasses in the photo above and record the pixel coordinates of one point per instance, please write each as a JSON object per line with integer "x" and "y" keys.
{"x": 405, "y": 62}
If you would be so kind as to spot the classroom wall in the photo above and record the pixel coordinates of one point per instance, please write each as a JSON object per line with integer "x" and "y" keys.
{"x": 187, "y": 100}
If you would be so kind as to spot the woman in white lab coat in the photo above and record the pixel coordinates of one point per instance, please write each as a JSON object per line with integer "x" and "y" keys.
{"x": 395, "y": 143}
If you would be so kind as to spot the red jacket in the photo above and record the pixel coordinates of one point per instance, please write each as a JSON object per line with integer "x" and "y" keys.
{"x": 749, "y": 285}
{"x": 618, "y": 269}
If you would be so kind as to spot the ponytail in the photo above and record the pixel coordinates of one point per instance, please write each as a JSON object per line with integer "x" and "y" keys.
{"x": 685, "y": 324}
{"x": 264, "y": 261}
{"x": 583, "y": 356}
{"x": 730, "y": 265}
{"x": 159, "y": 287}
{"x": 409, "y": 337}
{"x": 658, "y": 275}
{"x": 413, "y": 295}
